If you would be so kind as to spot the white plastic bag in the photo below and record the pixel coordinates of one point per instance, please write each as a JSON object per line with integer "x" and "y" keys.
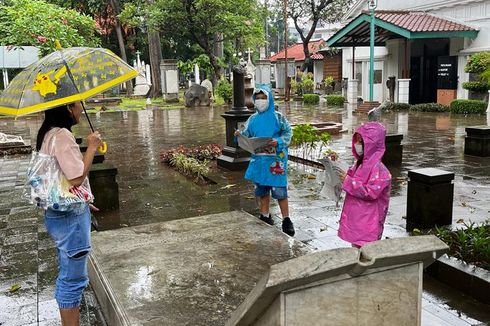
{"x": 47, "y": 186}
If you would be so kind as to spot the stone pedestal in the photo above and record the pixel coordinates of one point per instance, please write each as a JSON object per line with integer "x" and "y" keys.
{"x": 104, "y": 186}
{"x": 169, "y": 75}
{"x": 263, "y": 72}
{"x": 477, "y": 141}
{"x": 394, "y": 150}
{"x": 379, "y": 284}
{"x": 430, "y": 198}
{"x": 249, "y": 92}
{"x": 352, "y": 91}
{"x": 403, "y": 90}
{"x": 233, "y": 157}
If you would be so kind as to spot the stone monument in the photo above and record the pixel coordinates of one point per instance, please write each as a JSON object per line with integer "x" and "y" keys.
{"x": 143, "y": 79}
{"x": 169, "y": 75}
{"x": 234, "y": 158}
{"x": 249, "y": 81}
{"x": 209, "y": 85}
{"x": 379, "y": 284}
{"x": 197, "y": 95}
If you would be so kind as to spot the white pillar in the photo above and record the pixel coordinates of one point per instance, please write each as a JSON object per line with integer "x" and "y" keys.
{"x": 488, "y": 106}
{"x": 196, "y": 74}
{"x": 5, "y": 78}
{"x": 403, "y": 90}
{"x": 352, "y": 91}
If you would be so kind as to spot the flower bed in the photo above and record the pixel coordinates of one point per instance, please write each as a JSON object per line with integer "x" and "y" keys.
{"x": 192, "y": 161}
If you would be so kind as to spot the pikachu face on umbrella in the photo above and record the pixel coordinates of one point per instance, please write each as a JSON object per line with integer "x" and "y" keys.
{"x": 45, "y": 85}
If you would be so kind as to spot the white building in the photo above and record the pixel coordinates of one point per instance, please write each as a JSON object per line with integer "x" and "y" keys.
{"x": 425, "y": 44}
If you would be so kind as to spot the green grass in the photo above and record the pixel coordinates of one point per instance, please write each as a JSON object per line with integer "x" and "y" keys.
{"x": 137, "y": 104}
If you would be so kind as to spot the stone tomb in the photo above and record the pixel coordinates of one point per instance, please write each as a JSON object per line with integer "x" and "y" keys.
{"x": 477, "y": 141}
{"x": 380, "y": 284}
{"x": 193, "y": 271}
{"x": 394, "y": 150}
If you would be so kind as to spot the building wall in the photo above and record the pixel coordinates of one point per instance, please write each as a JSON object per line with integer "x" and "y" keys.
{"x": 318, "y": 71}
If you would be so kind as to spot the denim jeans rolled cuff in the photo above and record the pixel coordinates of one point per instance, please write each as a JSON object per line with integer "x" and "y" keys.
{"x": 70, "y": 231}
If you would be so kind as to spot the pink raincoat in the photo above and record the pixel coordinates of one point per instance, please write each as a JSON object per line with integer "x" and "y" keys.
{"x": 367, "y": 188}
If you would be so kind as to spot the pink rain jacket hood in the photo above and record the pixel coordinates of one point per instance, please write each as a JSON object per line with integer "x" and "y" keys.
{"x": 367, "y": 188}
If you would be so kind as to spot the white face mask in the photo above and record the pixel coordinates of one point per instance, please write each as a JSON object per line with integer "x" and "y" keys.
{"x": 359, "y": 150}
{"x": 261, "y": 105}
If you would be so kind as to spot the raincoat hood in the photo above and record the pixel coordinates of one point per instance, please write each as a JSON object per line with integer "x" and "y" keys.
{"x": 260, "y": 88}
{"x": 373, "y": 135}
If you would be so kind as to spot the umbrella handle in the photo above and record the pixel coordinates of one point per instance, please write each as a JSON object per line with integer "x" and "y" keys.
{"x": 102, "y": 148}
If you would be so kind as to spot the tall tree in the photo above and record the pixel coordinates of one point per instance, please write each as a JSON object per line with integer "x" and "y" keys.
{"x": 116, "y": 9}
{"x": 155, "y": 48}
{"x": 211, "y": 24}
{"x": 311, "y": 13}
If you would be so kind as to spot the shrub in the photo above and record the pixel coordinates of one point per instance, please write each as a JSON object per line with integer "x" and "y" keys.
{"x": 476, "y": 86}
{"x": 306, "y": 137}
{"x": 335, "y": 100}
{"x": 470, "y": 244}
{"x": 468, "y": 106}
{"x": 478, "y": 62}
{"x": 311, "y": 99}
{"x": 307, "y": 84}
{"x": 201, "y": 153}
{"x": 429, "y": 107}
{"x": 225, "y": 90}
{"x": 391, "y": 106}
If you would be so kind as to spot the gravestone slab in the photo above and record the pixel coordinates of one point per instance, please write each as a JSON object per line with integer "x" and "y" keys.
{"x": 102, "y": 177}
{"x": 394, "y": 150}
{"x": 194, "y": 271}
{"x": 197, "y": 95}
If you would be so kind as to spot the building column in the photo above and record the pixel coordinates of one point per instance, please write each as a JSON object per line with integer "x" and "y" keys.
{"x": 403, "y": 90}
{"x": 352, "y": 91}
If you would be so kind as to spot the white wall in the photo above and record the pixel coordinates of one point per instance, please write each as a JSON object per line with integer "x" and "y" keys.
{"x": 318, "y": 71}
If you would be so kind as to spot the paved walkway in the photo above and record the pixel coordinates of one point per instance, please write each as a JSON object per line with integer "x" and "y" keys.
{"x": 27, "y": 257}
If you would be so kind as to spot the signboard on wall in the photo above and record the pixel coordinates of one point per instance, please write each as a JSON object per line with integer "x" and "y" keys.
{"x": 447, "y": 72}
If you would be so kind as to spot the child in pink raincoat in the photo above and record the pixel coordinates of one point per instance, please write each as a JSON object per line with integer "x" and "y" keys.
{"x": 367, "y": 186}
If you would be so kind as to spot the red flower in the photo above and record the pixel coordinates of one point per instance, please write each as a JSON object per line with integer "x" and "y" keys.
{"x": 41, "y": 39}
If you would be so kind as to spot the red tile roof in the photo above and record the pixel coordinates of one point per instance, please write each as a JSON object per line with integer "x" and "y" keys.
{"x": 296, "y": 51}
{"x": 317, "y": 56}
{"x": 416, "y": 21}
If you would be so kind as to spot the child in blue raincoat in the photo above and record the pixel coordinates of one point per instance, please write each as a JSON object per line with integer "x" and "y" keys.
{"x": 269, "y": 172}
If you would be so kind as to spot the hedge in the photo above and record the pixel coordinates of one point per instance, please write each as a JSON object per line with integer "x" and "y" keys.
{"x": 311, "y": 99}
{"x": 430, "y": 107}
{"x": 476, "y": 86}
{"x": 335, "y": 100}
{"x": 391, "y": 106}
{"x": 468, "y": 106}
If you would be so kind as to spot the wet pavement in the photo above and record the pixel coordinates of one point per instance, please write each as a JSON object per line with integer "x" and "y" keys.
{"x": 152, "y": 192}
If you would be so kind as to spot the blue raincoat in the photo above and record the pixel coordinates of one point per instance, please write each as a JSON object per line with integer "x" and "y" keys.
{"x": 269, "y": 170}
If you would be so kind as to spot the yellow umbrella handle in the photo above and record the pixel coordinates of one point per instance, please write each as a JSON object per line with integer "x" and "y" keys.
{"x": 102, "y": 148}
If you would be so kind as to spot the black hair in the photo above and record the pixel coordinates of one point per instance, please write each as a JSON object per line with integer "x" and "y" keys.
{"x": 57, "y": 117}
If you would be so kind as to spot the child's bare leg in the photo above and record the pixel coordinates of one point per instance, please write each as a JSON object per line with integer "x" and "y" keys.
{"x": 264, "y": 205}
{"x": 284, "y": 206}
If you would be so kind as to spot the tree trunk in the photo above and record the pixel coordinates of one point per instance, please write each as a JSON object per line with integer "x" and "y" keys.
{"x": 214, "y": 64}
{"x": 116, "y": 8}
{"x": 155, "y": 59}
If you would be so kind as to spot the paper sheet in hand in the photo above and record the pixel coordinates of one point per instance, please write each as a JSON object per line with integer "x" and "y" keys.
{"x": 333, "y": 185}
{"x": 256, "y": 145}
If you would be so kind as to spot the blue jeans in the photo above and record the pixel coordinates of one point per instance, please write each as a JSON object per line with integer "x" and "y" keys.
{"x": 278, "y": 193}
{"x": 70, "y": 231}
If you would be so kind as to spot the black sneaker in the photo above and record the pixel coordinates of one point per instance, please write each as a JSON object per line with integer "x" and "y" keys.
{"x": 267, "y": 219}
{"x": 287, "y": 226}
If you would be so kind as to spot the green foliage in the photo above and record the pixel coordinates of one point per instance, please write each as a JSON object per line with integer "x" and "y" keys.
{"x": 306, "y": 137}
{"x": 429, "y": 107}
{"x": 311, "y": 99}
{"x": 478, "y": 63}
{"x": 37, "y": 23}
{"x": 470, "y": 244}
{"x": 335, "y": 100}
{"x": 391, "y": 106}
{"x": 468, "y": 106}
{"x": 476, "y": 86}
{"x": 328, "y": 81}
{"x": 225, "y": 90}
{"x": 307, "y": 83}
{"x": 190, "y": 166}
